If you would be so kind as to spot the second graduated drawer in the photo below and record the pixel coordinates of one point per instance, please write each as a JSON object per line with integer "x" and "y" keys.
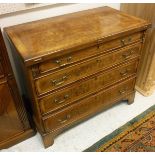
{"x": 71, "y": 74}
{"x": 63, "y": 97}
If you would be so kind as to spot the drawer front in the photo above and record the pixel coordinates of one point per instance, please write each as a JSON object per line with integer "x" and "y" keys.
{"x": 72, "y": 57}
{"x": 121, "y": 42}
{"x": 74, "y": 73}
{"x": 81, "y": 89}
{"x": 88, "y": 106}
{"x": 65, "y": 60}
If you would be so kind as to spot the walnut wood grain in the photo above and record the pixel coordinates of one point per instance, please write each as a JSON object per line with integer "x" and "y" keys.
{"x": 72, "y": 57}
{"x": 76, "y": 65}
{"x": 105, "y": 21}
{"x": 73, "y": 73}
{"x": 80, "y": 89}
{"x": 86, "y": 106}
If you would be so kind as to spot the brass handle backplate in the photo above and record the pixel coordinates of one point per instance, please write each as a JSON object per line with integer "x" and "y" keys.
{"x": 67, "y": 117}
{"x": 69, "y": 59}
{"x": 59, "y": 81}
{"x": 61, "y": 101}
{"x": 125, "y": 41}
{"x": 124, "y": 72}
{"x": 127, "y": 54}
{"x": 59, "y": 62}
{"x": 123, "y": 91}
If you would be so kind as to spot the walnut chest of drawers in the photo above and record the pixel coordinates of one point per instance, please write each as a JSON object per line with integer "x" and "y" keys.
{"x": 77, "y": 65}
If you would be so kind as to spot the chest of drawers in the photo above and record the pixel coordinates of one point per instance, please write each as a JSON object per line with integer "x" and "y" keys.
{"x": 77, "y": 65}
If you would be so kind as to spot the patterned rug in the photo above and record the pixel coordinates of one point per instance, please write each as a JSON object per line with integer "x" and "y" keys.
{"x": 138, "y": 135}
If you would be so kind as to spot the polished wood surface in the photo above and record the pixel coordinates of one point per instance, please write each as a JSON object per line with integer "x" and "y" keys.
{"x": 67, "y": 59}
{"x": 79, "y": 69}
{"x": 146, "y": 79}
{"x": 102, "y": 48}
{"x": 72, "y": 57}
{"x": 14, "y": 124}
{"x": 61, "y": 98}
{"x": 82, "y": 28}
{"x": 86, "y": 106}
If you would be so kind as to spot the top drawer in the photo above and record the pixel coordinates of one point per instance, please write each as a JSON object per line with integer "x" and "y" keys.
{"x": 72, "y": 57}
{"x": 79, "y": 71}
{"x": 120, "y": 42}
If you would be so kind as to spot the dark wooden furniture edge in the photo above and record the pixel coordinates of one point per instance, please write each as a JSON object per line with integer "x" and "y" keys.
{"x": 27, "y": 122}
{"x": 17, "y": 139}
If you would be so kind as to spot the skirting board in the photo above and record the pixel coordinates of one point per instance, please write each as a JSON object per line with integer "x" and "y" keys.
{"x": 144, "y": 93}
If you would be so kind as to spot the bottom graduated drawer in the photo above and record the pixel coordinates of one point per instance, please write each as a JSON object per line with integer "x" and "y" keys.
{"x": 88, "y": 106}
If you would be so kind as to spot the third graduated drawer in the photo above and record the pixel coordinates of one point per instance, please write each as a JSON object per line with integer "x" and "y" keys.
{"x": 64, "y": 97}
{"x": 71, "y": 74}
{"x": 90, "y": 105}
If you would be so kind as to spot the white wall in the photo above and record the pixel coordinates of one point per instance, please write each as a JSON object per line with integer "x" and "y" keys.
{"x": 49, "y": 12}
{"x": 32, "y": 15}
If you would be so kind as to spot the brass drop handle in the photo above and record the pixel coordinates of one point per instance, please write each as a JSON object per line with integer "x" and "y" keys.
{"x": 124, "y": 72}
{"x": 69, "y": 59}
{"x": 123, "y": 91}
{"x": 59, "y": 61}
{"x": 59, "y": 81}
{"x": 61, "y": 101}
{"x": 65, "y": 120}
{"x": 124, "y": 42}
{"x": 127, "y": 54}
